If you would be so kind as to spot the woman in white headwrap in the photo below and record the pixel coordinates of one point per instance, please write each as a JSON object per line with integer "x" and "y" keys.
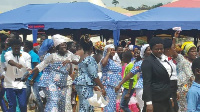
{"x": 111, "y": 76}
{"x": 145, "y": 52}
{"x": 60, "y": 69}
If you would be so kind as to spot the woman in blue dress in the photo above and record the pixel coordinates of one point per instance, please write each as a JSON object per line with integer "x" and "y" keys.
{"x": 111, "y": 76}
{"x": 88, "y": 77}
{"x": 56, "y": 85}
{"x": 46, "y": 49}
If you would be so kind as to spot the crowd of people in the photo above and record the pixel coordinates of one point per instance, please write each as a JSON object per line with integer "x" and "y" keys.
{"x": 62, "y": 76}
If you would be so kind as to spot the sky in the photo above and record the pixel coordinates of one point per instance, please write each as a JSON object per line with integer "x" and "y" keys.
{"x": 6, "y": 5}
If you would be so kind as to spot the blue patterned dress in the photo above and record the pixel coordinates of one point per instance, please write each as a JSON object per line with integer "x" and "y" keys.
{"x": 85, "y": 82}
{"x": 111, "y": 76}
{"x": 56, "y": 84}
{"x": 45, "y": 75}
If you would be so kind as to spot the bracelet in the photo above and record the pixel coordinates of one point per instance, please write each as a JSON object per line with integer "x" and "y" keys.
{"x": 173, "y": 37}
{"x": 32, "y": 80}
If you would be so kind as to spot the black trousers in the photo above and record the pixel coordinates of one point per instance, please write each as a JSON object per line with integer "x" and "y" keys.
{"x": 160, "y": 106}
{"x": 174, "y": 88}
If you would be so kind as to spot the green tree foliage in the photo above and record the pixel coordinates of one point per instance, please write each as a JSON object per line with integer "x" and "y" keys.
{"x": 115, "y": 2}
{"x": 143, "y": 7}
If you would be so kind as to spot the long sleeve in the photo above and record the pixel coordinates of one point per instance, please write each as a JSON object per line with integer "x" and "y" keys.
{"x": 45, "y": 63}
{"x": 147, "y": 80}
{"x": 8, "y": 56}
{"x": 28, "y": 62}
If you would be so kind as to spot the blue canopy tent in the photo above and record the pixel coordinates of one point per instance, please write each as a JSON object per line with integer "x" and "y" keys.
{"x": 61, "y": 15}
{"x": 183, "y": 13}
{"x": 163, "y": 18}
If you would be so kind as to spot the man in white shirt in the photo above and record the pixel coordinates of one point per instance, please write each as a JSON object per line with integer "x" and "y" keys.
{"x": 18, "y": 62}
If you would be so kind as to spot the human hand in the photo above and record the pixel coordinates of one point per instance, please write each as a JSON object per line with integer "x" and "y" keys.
{"x": 178, "y": 96}
{"x": 127, "y": 96}
{"x": 67, "y": 61}
{"x": 176, "y": 34}
{"x": 2, "y": 77}
{"x": 117, "y": 88}
{"x": 103, "y": 92}
{"x": 96, "y": 88}
{"x": 108, "y": 51}
{"x": 172, "y": 102}
{"x": 19, "y": 66}
{"x": 73, "y": 88}
{"x": 192, "y": 78}
{"x": 31, "y": 82}
{"x": 149, "y": 108}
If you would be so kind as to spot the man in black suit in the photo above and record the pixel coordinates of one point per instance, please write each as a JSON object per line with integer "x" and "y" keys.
{"x": 156, "y": 79}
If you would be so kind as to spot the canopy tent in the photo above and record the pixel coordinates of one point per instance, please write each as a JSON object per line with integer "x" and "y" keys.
{"x": 182, "y": 13}
{"x": 59, "y": 16}
{"x": 125, "y": 12}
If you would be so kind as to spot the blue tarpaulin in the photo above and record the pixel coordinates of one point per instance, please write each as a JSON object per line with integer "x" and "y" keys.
{"x": 61, "y": 15}
{"x": 163, "y": 18}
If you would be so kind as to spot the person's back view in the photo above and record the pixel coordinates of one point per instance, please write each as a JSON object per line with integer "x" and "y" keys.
{"x": 193, "y": 95}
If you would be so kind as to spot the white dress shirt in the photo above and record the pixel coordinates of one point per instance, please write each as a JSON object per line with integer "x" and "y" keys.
{"x": 13, "y": 72}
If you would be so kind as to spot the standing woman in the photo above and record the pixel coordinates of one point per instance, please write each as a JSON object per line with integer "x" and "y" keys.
{"x": 173, "y": 78}
{"x": 99, "y": 46}
{"x": 56, "y": 85}
{"x": 68, "y": 105}
{"x": 88, "y": 77}
{"x": 184, "y": 71}
{"x": 111, "y": 76}
{"x": 46, "y": 49}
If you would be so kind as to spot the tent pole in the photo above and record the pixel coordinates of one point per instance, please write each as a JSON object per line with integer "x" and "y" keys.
{"x": 116, "y": 36}
{"x": 35, "y": 32}
{"x": 24, "y": 37}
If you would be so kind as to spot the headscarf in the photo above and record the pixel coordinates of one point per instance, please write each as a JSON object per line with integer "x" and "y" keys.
{"x": 132, "y": 47}
{"x": 184, "y": 44}
{"x": 135, "y": 46}
{"x": 188, "y": 47}
{"x": 143, "y": 49}
{"x": 58, "y": 39}
{"x": 46, "y": 45}
{"x": 99, "y": 45}
{"x": 106, "y": 48}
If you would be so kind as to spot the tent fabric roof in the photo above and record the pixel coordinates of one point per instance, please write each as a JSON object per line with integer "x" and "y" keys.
{"x": 125, "y": 12}
{"x": 184, "y": 3}
{"x": 165, "y": 18}
{"x": 61, "y": 15}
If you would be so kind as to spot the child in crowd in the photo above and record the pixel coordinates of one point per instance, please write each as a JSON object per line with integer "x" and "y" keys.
{"x": 193, "y": 98}
{"x": 130, "y": 84}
